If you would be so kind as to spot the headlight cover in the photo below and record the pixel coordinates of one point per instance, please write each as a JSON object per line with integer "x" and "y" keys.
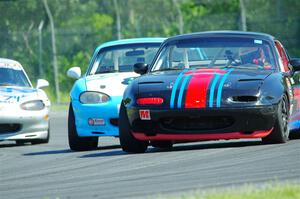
{"x": 91, "y": 97}
{"x": 35, "y": 105}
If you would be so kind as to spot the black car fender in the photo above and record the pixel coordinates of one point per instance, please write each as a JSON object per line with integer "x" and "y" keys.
{"x": 273, "y": 88}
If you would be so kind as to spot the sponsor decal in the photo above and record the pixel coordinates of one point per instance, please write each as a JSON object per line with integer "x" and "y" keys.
{"x": 13, "y": 66}
{"x": 127, "y": 81}
{"x": 170, "y": 86}
{"x": 11, "y": 90}
{"x": 11, "y": 98}
{"x": 258, "y": 41}
{"x": 145, "y": 114}
{"x": 96, "y": 121}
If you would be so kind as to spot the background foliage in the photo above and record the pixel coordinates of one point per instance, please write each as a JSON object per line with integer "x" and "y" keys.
{"x": 81, "y": 25}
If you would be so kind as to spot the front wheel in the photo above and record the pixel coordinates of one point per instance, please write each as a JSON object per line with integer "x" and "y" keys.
{"x": 280, "y": 133}
{"x": 77, "y": 143}
{"x": 128, "y": 142}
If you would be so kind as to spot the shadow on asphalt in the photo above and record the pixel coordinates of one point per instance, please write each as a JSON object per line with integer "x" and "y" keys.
{"x": 104, "y": 154}
{"x": 52, "y": 152}
{"x": 197, "y": 146}
{"x": 8, "y": 145}
{"x": 200, "y": 146}
{"x": 48, "y": 152}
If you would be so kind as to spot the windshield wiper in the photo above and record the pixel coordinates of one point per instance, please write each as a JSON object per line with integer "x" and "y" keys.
{"x": 167, "y": 69}
{"x": 246, "y": 66}
{"x": 106, "y": 71}
{"x": 6, "y": 84}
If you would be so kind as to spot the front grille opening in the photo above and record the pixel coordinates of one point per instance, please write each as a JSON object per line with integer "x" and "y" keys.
{"x": 244, "y": 98}
{"x": 114, "y": 121}
{"x": 9, "y": 128}
{"x": 197, "y": 123}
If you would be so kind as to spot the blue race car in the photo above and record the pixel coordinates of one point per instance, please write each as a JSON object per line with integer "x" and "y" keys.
{"x": 97, "y": 95}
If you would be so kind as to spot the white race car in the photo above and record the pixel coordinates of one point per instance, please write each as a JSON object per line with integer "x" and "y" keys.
{"x": 24, "y": 110}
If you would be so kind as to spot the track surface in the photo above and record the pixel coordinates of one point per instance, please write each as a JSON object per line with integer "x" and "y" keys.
{"x": 53, "y": 171}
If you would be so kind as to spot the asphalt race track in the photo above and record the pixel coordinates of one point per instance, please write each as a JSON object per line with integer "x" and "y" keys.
{"x": 53, "y": 171}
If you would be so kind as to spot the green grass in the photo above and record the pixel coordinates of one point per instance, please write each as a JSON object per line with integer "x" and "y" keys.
{"x": 270, "y": 191}
{"x": 59, "y": 107}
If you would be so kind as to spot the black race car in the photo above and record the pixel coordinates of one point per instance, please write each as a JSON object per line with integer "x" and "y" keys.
{"x": 210, "y": 86}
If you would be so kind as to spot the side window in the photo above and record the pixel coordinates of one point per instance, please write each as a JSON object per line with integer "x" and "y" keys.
{"x": 283, "y": 56}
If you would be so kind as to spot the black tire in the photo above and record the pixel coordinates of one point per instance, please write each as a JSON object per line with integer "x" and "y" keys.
{"x": 280, "y": 133}
{"x": 77, "y": 143}
{"x": 20, "y": 142}
{"x": 294, "y": 134}
{"x": 162, "y": 144}
{"x": 128, "y": 142}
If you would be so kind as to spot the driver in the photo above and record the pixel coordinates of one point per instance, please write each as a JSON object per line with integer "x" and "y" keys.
{"x": 254, "y": 56}
{"x": 261, "y": 60}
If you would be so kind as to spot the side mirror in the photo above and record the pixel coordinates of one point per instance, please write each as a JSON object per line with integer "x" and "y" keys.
{"x": 140, "y": 68}
{"x": 295, "y": 64}
{"x": 41, "y": 83}
{"x": 74, "y": 72}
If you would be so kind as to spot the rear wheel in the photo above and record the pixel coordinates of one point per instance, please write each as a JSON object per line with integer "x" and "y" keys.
{"x": 162, "y": 144}
{"x": 128, "y": 142}
{"x": 280, "y": 133}
{"x": 77, "y": 143}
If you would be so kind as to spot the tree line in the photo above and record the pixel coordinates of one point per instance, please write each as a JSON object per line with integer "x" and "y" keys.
{"x": 81, "y": 25}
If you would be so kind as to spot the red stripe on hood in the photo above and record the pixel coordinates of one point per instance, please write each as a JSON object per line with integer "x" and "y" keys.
{"x": 196, "y": 93}
{"x": 206, "y": 71}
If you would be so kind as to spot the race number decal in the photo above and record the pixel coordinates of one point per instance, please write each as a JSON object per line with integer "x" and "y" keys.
{"x": 145, "y": 114}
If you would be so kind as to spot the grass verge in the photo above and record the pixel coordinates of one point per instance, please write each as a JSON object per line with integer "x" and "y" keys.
{"x": 59, "y": 107}
{"x": 270, "y": 191}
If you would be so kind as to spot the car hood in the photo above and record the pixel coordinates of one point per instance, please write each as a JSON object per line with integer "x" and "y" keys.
{"x": 112, "y": 84}
{"x": 202, "y": 87}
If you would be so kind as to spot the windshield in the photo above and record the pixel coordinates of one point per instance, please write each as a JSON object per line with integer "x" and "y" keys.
{"x": 122, "y": 58}
{"x": 215, "y": 53}
{"x": 13, "y": 77}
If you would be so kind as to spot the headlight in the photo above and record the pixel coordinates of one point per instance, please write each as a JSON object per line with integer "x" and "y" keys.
{"x": 35, "y": 105}
{"x": 93, "y": 98}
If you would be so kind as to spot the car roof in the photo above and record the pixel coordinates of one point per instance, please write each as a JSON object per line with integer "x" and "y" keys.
{"x": 131, "y": 41}
{"x": 241, "y": 34}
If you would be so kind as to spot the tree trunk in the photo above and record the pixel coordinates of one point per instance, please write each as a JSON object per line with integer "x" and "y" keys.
{"x": 41, "y": 70}
{"x": 243, "y": 15}
{"x": 118, "y": 18}
{"x": 55, "y": 67}
{"x": 180, "y": 17}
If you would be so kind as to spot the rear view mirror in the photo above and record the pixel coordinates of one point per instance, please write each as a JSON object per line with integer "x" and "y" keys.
{"x": 134, "y": 53}
{"x": 140, "y": 68}
{"x": 74, "y": 72}
{"x": 41, "y": 83}
{"x": 295, "y": 63}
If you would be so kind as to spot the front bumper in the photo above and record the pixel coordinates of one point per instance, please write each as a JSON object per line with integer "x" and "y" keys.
{"x": 108, "y": 112}
{"x": 24, "y": 125}
{"x": 203, "y": 124}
